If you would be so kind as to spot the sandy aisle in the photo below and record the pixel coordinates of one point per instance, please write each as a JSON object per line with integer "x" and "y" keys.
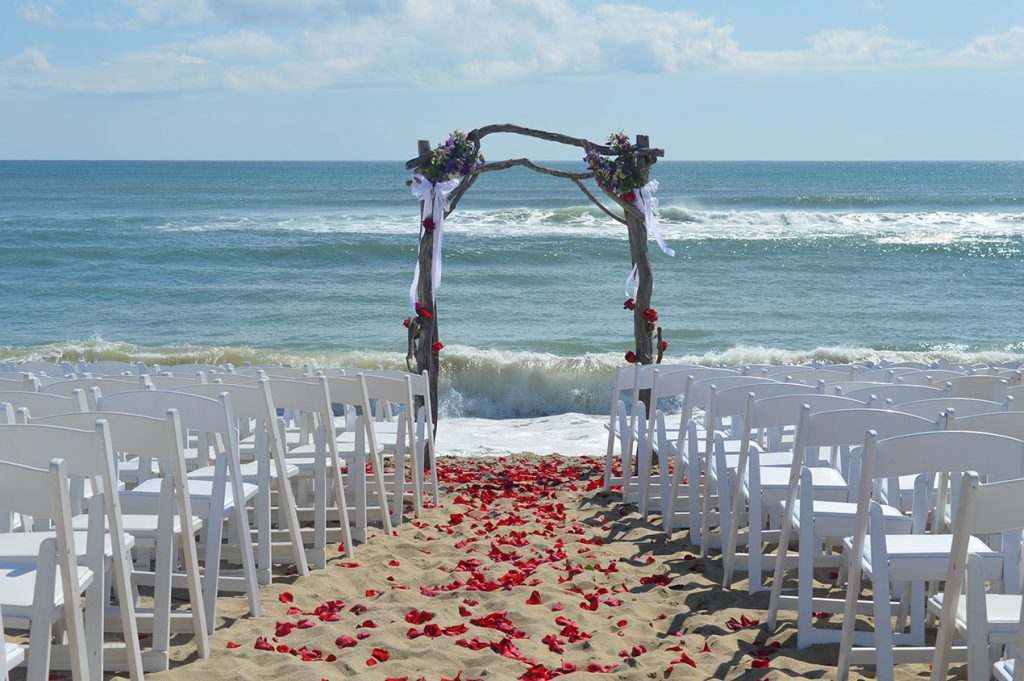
{"x": 526, "y": 571}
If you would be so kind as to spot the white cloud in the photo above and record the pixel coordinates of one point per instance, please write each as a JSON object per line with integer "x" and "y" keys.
{"x": 838, "y": 50}
{"x": 996, "y": 48}
{"x": 239, "y": 45}
{"x": 28, "y": 61}
{"x": 168, "y": 12}
{"x": 34, "y": 12}
{"x": 304, "y": 45}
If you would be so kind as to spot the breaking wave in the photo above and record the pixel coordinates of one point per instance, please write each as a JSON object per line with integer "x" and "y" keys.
{"x": 503, "y": 384}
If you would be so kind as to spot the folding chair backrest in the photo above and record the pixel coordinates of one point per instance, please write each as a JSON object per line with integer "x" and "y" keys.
{"x": 189, "y": 370}
{"x": 849, "y": 426}
{"x": 1009, "y": 423}
{"x": 309, "y": 395}
{"x": 155, "y": 438}
{"x": 237, "y": 379}
{"x": 812, "y": 376}
{"x": 963, "y": 406}
{"x": 914, "y": 366}
{"x": 700, "y": 391}
{"x": 247, "y": 402}
{"x": 48, "y": 368}
{"x": 200, "y": 414}
{"x": 948, "y": 451}
{"x": 23, "y": 383}
{"x": 278, "y": 371}
{"x": 164, "y": 382}
{"x": 784, "y": 410}
{"x": 781, "y": 370}
{"x": 394, "y": 390}
{"x": 92, "y": 387}
{"x": 43, "y": 404}
{"x": 108, "y": 386}
{"x": 897, "y": 393}
{"x": 733, "y": 401}
{"x": 109, "y": 368}
{"x": 978, "y": 387}
{"x": 846, "y": 387}
{"x": 930, "y": 377}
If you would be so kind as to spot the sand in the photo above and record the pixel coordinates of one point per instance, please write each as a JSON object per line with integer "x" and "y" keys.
{"x": 527, "y": 570}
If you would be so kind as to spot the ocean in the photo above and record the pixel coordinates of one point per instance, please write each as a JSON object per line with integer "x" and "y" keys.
{"x": 311, "y": 262}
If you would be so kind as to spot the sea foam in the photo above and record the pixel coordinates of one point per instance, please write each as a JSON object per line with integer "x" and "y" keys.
{"x": 502, "y": 384}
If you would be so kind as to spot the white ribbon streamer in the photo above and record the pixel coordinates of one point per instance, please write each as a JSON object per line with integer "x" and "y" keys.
{"x": 646, "y": 202}
{"x": 434, "y": 196}
{"x": 632, "y": 283}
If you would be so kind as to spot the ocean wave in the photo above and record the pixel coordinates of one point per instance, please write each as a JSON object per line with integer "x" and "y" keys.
{"x": 678, "y": 223}
{"x": 498, "y": 384}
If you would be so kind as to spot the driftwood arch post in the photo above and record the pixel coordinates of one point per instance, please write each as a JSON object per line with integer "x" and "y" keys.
{"x": 423, "y": 334}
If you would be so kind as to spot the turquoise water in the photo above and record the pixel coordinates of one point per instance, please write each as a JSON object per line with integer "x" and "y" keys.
{"x": 244, "y": 261}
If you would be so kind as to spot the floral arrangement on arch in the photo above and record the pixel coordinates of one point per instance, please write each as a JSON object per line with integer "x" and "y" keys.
{"x": 457, "y": 157}
{"x": 621, "y": 175}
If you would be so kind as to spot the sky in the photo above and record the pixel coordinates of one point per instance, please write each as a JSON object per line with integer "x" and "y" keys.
{"x": 364, "y": 79}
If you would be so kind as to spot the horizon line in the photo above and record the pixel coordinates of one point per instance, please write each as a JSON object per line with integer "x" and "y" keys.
{"x": 367, "y": 160}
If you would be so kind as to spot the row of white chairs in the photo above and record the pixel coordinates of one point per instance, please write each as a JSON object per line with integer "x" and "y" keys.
{"x": 158, "y": 460}
{"x": 788, "y": 461}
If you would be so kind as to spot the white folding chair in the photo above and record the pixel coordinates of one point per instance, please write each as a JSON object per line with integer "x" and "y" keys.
{"x": 688, "y": 451}
{"x": 88, "y": 455}
{"x": 222, "y": 499}
{"x": 419, "y": 385}
{"x": 397, "y": 392}
{"x": 170, "y": 529}
{"x": 822, "y": 524}
{"x": 623, "y": 420}
{"x": 717, "y": 486}
{"x": 268, "y": 472}
{"x": 763, "y": 487}
{"x": 11, "y": 654}
{"x": 669, "y": 383}
{"x": 319, "y": 461}
{"x": 1012, "y": 669}
{"x": 40, "y": 595}
{"x": 916, "y": 559}
{"x": 356, "y": 447}
{"x": 986, "y": 621}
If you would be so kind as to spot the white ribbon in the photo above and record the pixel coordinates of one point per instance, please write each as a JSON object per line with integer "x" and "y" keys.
{"x": 434, "y": 196}
{"x": 646, "y": 202}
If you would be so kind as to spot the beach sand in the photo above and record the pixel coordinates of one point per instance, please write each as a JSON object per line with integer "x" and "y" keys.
{"x": 526, "y": 570}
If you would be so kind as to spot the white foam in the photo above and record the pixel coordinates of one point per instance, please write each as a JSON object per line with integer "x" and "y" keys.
{"x": 679, "y": 223}
{"x": 568, "y": 434}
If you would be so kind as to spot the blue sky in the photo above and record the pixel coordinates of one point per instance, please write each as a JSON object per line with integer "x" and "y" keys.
{"x": 364, "y": 79}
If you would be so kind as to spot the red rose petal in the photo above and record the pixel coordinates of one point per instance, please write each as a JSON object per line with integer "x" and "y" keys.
{"x": 344, "y": 641}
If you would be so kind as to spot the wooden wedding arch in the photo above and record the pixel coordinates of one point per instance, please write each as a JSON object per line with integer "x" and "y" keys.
{"x": 423, "y": 338}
